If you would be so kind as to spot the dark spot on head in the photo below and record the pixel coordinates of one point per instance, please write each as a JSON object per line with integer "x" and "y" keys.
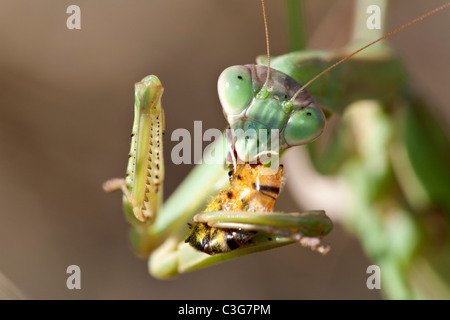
{"x": 308, "y": 113}
{"x": 239, "y": 177}
{"x": 240, "y": 77}
{"x": 270, "y": 239}
{"x": 229, "y": 194}
{"x": 285, "y": 96}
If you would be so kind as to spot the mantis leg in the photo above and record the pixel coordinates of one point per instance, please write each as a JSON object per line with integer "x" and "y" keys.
{"x": 175, "y": 256}
{"x": 116, "y": 184}
{"x": 306, "y": 228}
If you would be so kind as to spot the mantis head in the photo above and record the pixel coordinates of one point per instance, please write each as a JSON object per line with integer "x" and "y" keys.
{"x": 254, "y": 101}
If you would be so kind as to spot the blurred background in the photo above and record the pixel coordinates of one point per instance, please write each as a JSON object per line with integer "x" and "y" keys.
{"x": 66, "y": 110}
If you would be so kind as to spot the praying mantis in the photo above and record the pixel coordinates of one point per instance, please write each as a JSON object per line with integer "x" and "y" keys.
{"x": 141, "y": 188}
{"x": 162, "y": 234}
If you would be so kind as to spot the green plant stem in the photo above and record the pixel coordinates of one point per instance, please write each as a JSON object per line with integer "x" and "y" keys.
{"x": 296, "y": 31}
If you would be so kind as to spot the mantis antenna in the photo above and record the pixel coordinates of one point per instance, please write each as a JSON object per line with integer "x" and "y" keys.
{"x": 426, "y": 15}
{"x": 264, "y": 88}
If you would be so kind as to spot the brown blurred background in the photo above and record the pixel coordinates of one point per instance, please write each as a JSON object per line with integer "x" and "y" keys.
{"x": 66, "y": 110}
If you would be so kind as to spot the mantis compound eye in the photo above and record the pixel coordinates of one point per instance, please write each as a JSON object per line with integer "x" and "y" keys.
{"x": 235, "y": 90}
{"x": 304, "y": 126}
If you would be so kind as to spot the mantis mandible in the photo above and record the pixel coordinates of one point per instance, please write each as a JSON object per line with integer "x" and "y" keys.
{"x": 252, "y": 97}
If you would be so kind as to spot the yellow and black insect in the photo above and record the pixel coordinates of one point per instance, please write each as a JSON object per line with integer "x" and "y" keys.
{"x": 253, "y": 188}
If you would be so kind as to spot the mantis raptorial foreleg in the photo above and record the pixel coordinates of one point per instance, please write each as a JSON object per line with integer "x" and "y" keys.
{"x": 145, "y": 170}
{"x": 306, "y": 228}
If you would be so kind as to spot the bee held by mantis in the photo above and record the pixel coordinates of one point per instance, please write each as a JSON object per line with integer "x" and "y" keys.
{"x": 239, "y": 220}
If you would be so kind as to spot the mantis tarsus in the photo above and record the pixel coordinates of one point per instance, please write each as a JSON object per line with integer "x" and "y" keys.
{"x": 169, "y": 229}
